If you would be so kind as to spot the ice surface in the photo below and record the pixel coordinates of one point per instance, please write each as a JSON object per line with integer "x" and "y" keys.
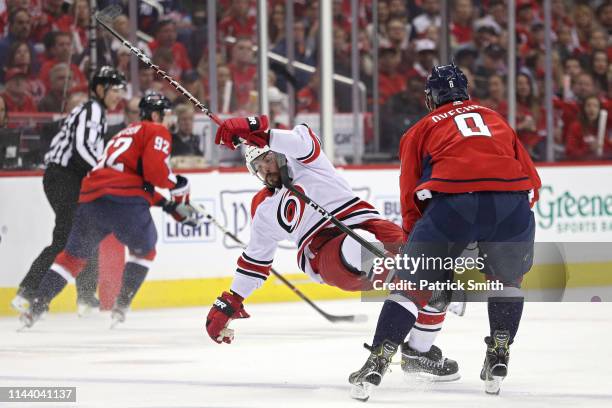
{"x": 288, "y": 356}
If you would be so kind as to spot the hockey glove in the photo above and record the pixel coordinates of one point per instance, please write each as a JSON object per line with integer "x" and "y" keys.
{"x": 227, "y": 307}
{"x": 180, "y": 192}
{"x": 253, "y": 129}
{"x": 181, "y": 212}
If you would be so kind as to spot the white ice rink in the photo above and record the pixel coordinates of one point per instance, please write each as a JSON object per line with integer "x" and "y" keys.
{"x": 286, "y": 355}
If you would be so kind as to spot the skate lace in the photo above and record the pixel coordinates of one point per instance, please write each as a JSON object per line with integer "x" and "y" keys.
{"x": 433, "y": 363}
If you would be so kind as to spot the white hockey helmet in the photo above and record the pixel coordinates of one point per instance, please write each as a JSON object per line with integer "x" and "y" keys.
{"x": 251, "y": 155}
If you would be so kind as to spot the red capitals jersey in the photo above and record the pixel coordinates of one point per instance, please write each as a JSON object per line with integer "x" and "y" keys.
{"x": 458, "y": 148}
{"x": 139, "y": 153}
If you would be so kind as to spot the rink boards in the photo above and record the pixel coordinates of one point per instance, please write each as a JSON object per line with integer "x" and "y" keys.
{"x": 195, "y": 265}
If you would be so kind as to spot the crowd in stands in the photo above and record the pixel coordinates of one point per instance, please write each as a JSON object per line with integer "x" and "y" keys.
{"x": 45, "y": 59}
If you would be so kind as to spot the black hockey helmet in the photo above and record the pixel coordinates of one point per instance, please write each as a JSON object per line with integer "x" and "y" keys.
{"x": 108, "y": 77}
{"x": 447, "y": 83}
{"x": 153, "y": 102}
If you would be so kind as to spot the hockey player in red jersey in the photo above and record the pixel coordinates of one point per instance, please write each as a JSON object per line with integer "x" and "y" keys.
{"x": 115, "y": 199}
{"x": 325, "y": 253}
{"x": 465, "y": 177}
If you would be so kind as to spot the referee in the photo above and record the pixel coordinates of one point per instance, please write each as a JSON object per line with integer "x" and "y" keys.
{"x": 74, "y": 151}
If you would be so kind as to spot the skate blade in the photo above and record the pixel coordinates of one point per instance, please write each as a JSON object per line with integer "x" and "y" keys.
{"x": 116, "y": 322}
{"x": 361, "y": 392}
{"x": 493, "y": 385}
{"x": 457, "y": 308}
{"x": 428, "y": 377}
{"x": 26, "y": 322}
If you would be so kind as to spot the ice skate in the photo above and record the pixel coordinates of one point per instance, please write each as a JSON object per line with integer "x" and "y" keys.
{"x": 495, "y": 367}
{"x": 118, "y": 314}
{"x": 370, "y": 375}
{"x": 431, "y": 365}
{"x": 87, "y": 304}
{"x": 21, "y": 301}
{"x": 37, "y": 309}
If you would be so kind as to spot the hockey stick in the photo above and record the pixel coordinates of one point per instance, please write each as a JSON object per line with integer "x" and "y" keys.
{"x": 330, "y": 317}
{"x": 106, "y": 16}
{"x": 287, "y": 182}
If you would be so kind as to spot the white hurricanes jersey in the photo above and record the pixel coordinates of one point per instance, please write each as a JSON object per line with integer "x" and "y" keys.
{"x": 279, "y": 215}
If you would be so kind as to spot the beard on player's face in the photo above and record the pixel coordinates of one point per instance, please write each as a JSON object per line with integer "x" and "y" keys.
{"x": 273, "y": 180}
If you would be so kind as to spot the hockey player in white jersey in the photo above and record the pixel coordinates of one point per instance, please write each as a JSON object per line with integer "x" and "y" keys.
{"x": 325, "y": 253}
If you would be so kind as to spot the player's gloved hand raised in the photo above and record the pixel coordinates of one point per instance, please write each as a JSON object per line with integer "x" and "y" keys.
{"x": 181, "y": 212}
{"x": 180, "y": 192}
{"x": 227, "y": 307}
{"x": 253, "y": 130}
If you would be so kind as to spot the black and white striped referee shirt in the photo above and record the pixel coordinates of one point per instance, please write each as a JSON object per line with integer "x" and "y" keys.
{"x": 80, "y": 142}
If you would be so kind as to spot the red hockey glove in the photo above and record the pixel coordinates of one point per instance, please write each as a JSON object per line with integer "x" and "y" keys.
{"x": 180, "y": 192}
{"x": 252, "y": 129}
{"x": 227, "y": 307}
{"x": 181, "y": 212}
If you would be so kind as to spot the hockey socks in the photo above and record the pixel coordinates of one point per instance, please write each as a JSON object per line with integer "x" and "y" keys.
{"x": 394, "y": 322}
{"x": 51, "y": 285}
{"x": 133, "y": 276}
{"x": 505, "y": 314}
{"x": 428, "y": 324}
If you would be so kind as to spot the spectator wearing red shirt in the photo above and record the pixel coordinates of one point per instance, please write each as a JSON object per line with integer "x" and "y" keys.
{"x": 582, "y": 142}
{"x": 81, "y": 11}
{"x": 19, "y": 57}
{"x": 599, "y": 67}
{"x": 390, "y": 81}
{"x": 525, "y": 17}
{"x": 60, "y": 46}
{"x": 308, "y": 97}
{"x": 565, "y": 43}
{"x": 51, "y": 19}
{"x": 426, "y": 58}
{"x": 16, "y": 92}
{"x": 243, "y": 71}
{"x": 496, "y": 99}
{"x": 582, "y": 87}
{"x": 531, "y": 117}
{"x": 341, "y": 19}
{"x": 165, "y": 37}
{"x": 584, "y": 21}
{"x": 599, "y": 42}
{"x": 238, "y": 22}
{"x": 461, "y": 25}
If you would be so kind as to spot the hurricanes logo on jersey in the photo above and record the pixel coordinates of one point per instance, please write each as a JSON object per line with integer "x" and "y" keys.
{"x": 290, "y": 211}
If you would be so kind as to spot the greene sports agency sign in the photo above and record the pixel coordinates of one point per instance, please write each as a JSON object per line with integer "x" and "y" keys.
{"x": 575, "y": 204}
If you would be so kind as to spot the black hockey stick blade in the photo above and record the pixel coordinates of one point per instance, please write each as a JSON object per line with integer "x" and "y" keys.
{"x": 108, "y": 14}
